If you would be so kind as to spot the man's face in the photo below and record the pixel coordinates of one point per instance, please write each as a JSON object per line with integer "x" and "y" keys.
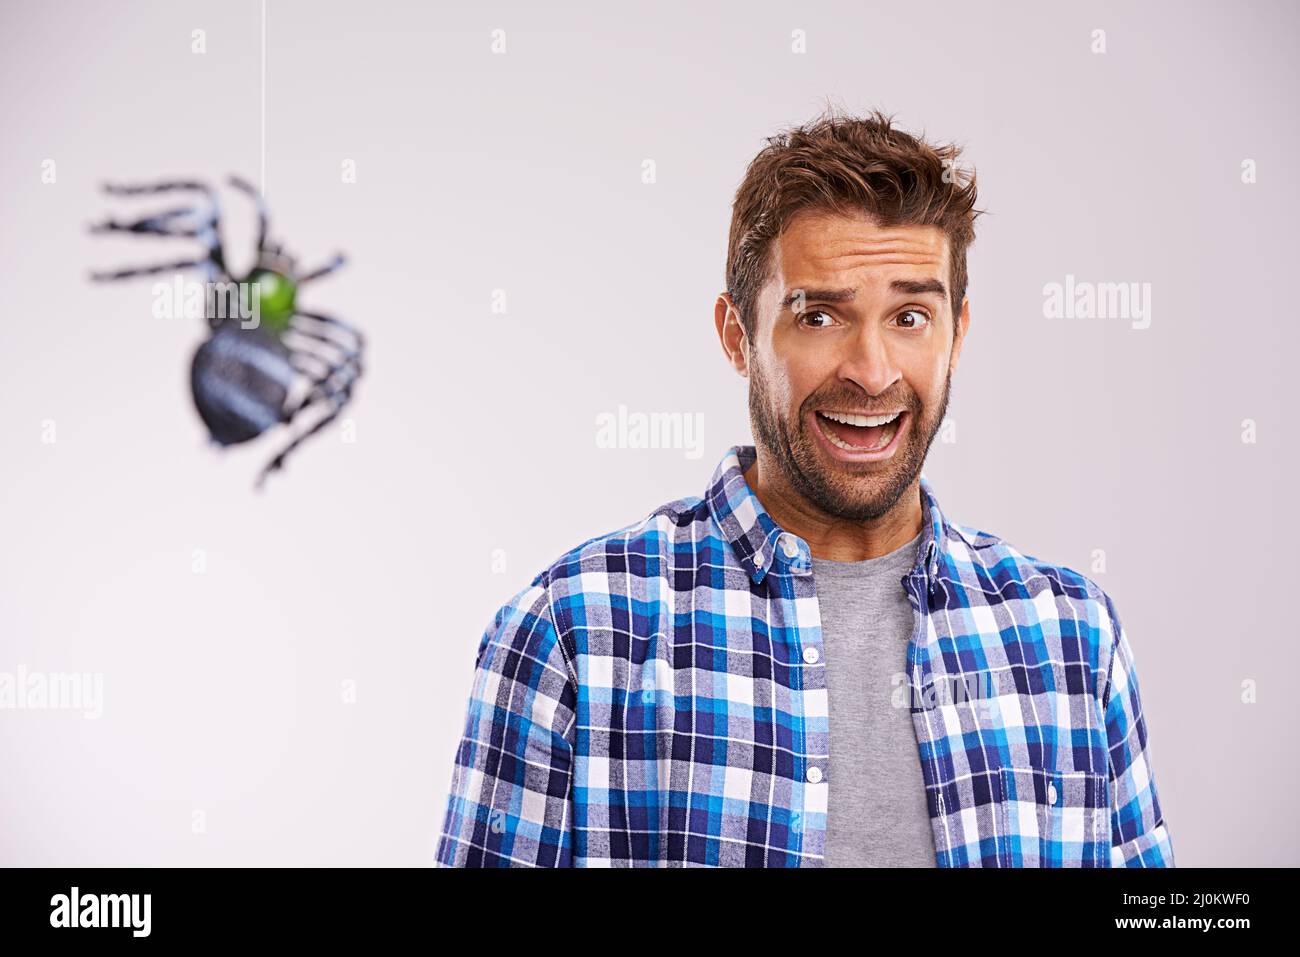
{"x": 855, "y": 318}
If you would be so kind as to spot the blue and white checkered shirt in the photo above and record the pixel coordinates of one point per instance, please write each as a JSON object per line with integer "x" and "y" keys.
{"x": 657, "y": 697}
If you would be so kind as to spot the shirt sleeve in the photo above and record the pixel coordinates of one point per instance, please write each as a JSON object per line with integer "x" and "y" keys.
{"x": 1139, "y": 836}
{"x": 510, "y": 802}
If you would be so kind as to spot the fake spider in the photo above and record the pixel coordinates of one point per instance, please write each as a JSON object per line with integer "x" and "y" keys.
{"x": 248, "y": 377}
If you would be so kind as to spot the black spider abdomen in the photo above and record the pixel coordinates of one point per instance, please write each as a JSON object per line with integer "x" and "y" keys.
{"x": 240, "y": 379}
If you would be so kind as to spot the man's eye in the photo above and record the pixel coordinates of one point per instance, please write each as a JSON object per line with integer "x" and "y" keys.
{"x": 915, "y": 324}
{"x": 814, "y": 312}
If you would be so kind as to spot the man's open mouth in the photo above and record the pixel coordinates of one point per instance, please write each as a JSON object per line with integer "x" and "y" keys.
{"x": 859, "y": 433}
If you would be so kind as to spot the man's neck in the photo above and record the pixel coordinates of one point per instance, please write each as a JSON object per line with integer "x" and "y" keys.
{"x": 832, "y": 538}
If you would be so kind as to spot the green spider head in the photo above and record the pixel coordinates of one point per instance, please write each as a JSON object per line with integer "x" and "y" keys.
{"x": 275, "y": 293}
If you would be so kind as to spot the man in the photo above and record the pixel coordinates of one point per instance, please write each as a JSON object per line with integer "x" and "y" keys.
{"x": 811, "y": 665}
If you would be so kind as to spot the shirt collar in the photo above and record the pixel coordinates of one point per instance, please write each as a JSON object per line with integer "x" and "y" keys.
{"x": 757, "y": 541}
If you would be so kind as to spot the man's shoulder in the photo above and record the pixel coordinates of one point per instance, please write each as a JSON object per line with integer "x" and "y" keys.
{"x": 990, "y": 563}
{"x": 1042, "y": 597}
{"x": 629, "y": 550}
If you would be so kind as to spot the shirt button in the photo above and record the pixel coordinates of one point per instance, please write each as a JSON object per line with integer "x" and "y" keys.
{"x": 810, "y": 655}
{"x": 814, "y": 774}
{"x": 789, "y": 546}
{"x": 1051, "y": 794}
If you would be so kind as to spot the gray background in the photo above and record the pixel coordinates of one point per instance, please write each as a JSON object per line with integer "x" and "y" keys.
{"x": 372, "y": 562}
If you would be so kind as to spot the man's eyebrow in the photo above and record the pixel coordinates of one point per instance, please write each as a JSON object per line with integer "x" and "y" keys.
{"x": 913, "y": 287}
{"x": 818, "y": 295}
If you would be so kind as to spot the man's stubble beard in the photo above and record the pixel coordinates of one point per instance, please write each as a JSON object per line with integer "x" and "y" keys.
{"x": 843, "y": 496}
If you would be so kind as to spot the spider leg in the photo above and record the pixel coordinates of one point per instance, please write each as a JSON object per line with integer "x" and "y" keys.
{"x": 206, "y": 229}
{"x": 332, "y": 323}
{"x": 332, "y": 387}
{"x": 278, "y": 462}
{"x": 343, "y": 343}
{"x": 159, "y": 224}
{"x": 342, "y": 367}
{"x": 338, "y": 260}
{"x": 342, "y": 360}
{"x": 324, "y": 370}
{"x": 312, "y": 366}
{"x": 262, "y": 217}
{"x": 147, "y": 270}
{"x": 162, "y": 186}
{"x": 336, "y": 397}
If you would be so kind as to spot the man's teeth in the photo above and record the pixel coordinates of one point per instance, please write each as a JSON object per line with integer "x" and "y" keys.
{"x": 850, "y": 418}
{"x": 885, "y": 436}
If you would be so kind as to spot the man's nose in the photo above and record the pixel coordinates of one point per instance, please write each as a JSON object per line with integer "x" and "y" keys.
{"x": 868, "y": 361}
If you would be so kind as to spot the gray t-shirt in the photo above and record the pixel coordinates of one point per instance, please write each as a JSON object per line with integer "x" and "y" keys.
{"x": 876, "y": 815}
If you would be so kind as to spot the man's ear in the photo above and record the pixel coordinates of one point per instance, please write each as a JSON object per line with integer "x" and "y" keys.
{"x": 731, "y": 333}
{"x": 960, "y": 328}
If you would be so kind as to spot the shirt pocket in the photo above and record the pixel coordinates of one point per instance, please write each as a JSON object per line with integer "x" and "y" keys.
{"x": 1054, "y": 818}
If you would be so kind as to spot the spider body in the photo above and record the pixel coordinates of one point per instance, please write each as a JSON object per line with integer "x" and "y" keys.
{"x": 241, "y": 380}
{"x": 266, "y": 361}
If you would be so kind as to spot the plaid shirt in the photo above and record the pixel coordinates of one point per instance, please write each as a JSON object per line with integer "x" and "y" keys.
{"x": 657, "y": 697}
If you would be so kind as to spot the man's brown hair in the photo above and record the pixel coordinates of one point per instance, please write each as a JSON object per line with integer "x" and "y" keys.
{"x": 846, "y": 164}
